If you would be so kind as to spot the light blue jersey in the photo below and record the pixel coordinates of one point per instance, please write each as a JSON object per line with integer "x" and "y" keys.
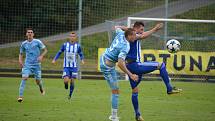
{"x": 32, "y": 50}
{"x": 119, "y": 47}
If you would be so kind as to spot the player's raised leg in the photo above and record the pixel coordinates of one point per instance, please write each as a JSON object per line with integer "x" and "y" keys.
{"x": 38, "y": 74}
{"x": 166, "y": 79}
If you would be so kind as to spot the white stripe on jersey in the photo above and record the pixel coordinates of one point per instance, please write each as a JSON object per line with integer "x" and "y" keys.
{"x": 70, "y": 55}
{"x": 138, "y": 51}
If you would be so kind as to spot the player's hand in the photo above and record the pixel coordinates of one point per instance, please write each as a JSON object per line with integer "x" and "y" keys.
{"x": 21, "y": 64}
{"x": 158, "y": 26}
{"x": 134, "y": 77}
{"x": 82, "y": 61}
{"x": 40, "y": 58}
{"x": 53, "y": 61}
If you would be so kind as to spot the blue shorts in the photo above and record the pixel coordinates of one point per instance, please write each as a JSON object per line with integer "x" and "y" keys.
{"x": 140, "y": 69}
{"x": 70, "y": 72}
{"x": 109, "y": 74}
{"x": 32, "y": 70}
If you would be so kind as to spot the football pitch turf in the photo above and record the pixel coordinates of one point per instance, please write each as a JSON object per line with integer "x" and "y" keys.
{"x": 91, "y": 101}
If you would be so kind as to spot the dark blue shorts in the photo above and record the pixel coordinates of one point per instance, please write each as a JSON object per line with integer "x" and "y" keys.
{"x": 70, "y": 72}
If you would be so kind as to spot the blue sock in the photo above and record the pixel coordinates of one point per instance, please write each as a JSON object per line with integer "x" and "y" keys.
{"x": 71, "y": 89}
{"x": 165, "y": 77}
{"x": 115, "y": 98}
{"x": 21, "y": 88}
{"x": 135, "y": 103}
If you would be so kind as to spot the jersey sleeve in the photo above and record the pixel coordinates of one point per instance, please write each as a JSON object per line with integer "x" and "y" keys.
{"x": 118, "y": 30}
{"x": 124, "y": 51}
{"x": 80, "y": 52}
{"x": 41, "y": 45}
{"x": 22, "y": 49}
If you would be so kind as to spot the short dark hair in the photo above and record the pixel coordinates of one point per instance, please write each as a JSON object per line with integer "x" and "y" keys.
{"x": 128, "y": 32}
{"x": 29, "y": 28}
{"x": 138, "y": 24}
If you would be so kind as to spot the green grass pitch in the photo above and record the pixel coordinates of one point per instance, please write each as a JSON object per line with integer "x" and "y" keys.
{"x": 91, "y": 101}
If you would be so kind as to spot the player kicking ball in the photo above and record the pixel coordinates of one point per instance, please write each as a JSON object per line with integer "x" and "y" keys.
{"x": 31, "y": 47}
{"x": 71, "y": 49}
{"x": 135, "y": 66}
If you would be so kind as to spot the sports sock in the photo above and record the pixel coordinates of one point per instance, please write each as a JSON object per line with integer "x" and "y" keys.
{"x": 115, "y": 98}
{"x": 41, "y": 86}
{"x": 134, "y": 99}
{"x": 21, "y": 88}
{"x": 114, "y": 113}
{"x": 165, "y": 77}
{"x": 71, "y": 89}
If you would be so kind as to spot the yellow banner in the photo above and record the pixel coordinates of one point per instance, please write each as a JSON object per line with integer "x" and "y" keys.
{"x": 183, "y": 62}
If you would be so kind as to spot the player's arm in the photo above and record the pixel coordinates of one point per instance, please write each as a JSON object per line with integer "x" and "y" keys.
{"x": 43, "y": 54}
{"x": 81, "y": 54}
{"x": 121, "y": 62}
{"x": 124, "y": 28}
{"x": 122, "y": 66}
{"x": 21, "y": 51}
{"x": 150, "y": 32}
{"x": 58, "y": 53}
{"x": 43, "y": 48}
{"x": 21, "y": 60}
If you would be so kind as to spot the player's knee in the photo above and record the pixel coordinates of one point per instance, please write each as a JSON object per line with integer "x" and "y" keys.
{"x": 135, "y": 90}
{"x": 37, "y": 81}
{"x": 161, "y": 66}
{"x": 115, "y": 91}
{"x": 66, "y": 79}
{"x": 72, "y": 81}
{"x": 24, "y": 78}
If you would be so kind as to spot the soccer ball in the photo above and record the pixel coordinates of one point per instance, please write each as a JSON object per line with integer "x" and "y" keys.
{"x": 173, "y": 45}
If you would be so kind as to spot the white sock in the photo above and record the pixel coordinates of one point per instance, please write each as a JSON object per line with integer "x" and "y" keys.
{"x": 114, "y": 113}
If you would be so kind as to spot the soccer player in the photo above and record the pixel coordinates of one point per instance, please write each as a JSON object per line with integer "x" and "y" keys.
{"x": 116, "y": 53}
{"x": 71, "y": 49}
{"x": 33, "y": 58}
{"x": 135, "y": 66}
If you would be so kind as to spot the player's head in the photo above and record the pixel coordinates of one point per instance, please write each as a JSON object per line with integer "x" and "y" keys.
{"x": 73, "y": 37}
{"x": 130, "y": 35}
{"x": 138, "y": 27}
{"x": 29, "y": 33}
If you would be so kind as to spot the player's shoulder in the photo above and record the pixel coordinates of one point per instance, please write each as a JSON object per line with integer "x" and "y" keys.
{"x": 24, "y": 42}
{"x": 37, "y": 40}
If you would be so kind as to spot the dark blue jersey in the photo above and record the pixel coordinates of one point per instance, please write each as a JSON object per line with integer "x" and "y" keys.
{"x": 134, "y": 53}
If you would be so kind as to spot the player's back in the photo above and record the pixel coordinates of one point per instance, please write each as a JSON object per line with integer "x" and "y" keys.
{"x": 119, "y": 45}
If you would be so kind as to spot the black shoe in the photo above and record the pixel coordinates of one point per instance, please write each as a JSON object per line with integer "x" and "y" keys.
{"x": 20, "y": 99}
{"x": 66, "y": 86}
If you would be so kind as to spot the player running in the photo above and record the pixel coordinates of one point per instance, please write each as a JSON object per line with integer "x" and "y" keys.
{"x": 116, "y": 53}
{"x": 71, "y": 49}
{"x": 31, "y": 47}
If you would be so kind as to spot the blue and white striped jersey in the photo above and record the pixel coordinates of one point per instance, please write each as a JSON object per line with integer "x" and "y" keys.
{"x": 32, "y": 50}
{"x": 135, "y": 51}
{"x": 70, "y": 54}
{"x": 119, "y": 47}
